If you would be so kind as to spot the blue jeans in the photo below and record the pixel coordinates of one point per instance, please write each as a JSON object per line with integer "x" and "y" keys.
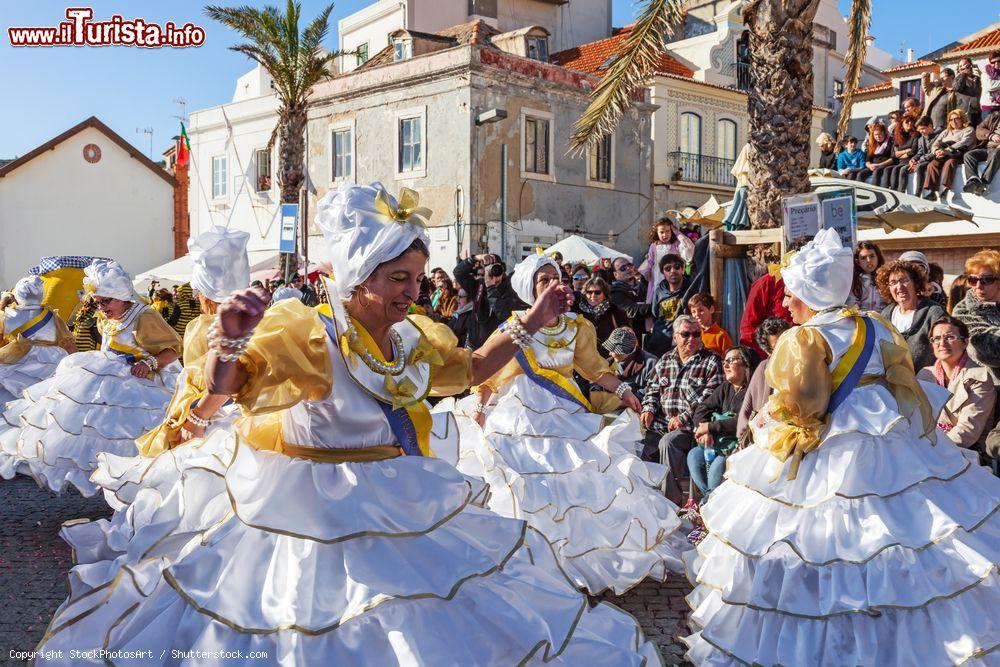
{"x": 706, "y": 477}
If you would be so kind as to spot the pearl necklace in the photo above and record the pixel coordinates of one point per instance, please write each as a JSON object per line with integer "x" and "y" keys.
{"x": 398, "y": 364}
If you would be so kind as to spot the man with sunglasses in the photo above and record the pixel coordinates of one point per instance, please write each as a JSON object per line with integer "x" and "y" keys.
{"x": 980, "y": 311}
{"x": 628, "y": 292}
{"x": 682, "y": 378}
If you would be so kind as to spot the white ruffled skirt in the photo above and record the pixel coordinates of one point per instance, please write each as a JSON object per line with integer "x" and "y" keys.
{"x": 38, "y": 364}
{"x": 882, "y": 551}
{"x": 91, "y": 404}
{"x": 382, "y": 563}
{"x": 553, "y": 463}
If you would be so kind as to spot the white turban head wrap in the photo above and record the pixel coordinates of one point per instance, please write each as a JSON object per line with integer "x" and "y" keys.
{"x": 29, "y": 291}
{"x": 220, "y": 264}
{"x": 821, "y": 273}
{"x": 523, "y": 280}
{"x": 365, "y": 226}
{"x": 107, "y": 278}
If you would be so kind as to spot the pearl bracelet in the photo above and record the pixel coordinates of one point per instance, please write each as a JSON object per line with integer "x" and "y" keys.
{"x": 235, "y": 346}
{"x": 480, "y": 408}
{"x": 515, "y": 329}
{"x": 622, "y": 389}
{"x": 150, "y": 362}
{"x": 198, "y": 421}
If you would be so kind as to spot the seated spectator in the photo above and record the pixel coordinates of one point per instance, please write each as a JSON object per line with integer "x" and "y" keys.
{"x": 765, "y": 299}
{"x": 716, "y": 420}
{"x": 959, "y": 287}
{"x": 969, "y": 82}
{"x": 851, "y": 160}
{"x": 904, "y": 147}
{"x": 713, "y": 337}
{"x": 864, "y": 294}
{"x": 579, "y": 275}
{"x": 598, "y": 309}
{"x": 967, "y": 415}
{"x": 631, "y": 364}
{"x": 758, "y": 392}
{"x": 902, "y": 284}
{"x": 922, "y": 156}
{"x": 980, "y": 311}
{"x": 894, "y": 117}
{"x": 827, "y": 151}
{"x": 668, "y": 303}
{"x": 988, "y": 151}
{"x": 911, "y": 108}
{"x": 993, "y": 77}
{"x": 949, "y": 149}
{"x": 878, "y": 154}
{"x": 682, "y": 378}
{"x": 628, "y": 293}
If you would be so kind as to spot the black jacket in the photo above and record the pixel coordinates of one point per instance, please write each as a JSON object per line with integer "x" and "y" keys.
{"x": 503, "y": 300}
{"x": 631, "y": 299}
{"x": 477, "y": 323}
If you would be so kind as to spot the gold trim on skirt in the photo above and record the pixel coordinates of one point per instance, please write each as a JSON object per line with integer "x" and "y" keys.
{"x": 353, "y": 455}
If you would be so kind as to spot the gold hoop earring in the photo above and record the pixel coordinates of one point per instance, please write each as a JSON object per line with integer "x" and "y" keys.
{"x": 363, "y": 305}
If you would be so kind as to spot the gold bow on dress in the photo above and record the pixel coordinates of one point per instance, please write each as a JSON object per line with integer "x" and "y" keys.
{"x": 407, "y": 208}
{"x": 425, "y": 351}
{"x": 402, "y": 392}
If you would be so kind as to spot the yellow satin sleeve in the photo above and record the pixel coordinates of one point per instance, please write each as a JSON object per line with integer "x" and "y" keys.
{"x": 287, "y": 360}
{"x": 799, "y": 373}
{"x": 452, "y": 364}
{"x": 154, "y": 335}
{"x": 586, "y": 360}
{"x": 167, "y": 434}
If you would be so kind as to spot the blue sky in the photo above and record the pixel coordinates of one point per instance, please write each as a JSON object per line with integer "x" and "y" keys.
{"x": 47, "y": 90}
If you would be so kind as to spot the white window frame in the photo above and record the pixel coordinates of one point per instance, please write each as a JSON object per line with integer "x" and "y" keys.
{"x": 352, "y": 177}
{"x": 539, "y": 115}
{"x": 736, "y": 137}
{"x": 402, "y": 49}
{"x": 221, "y": 179}
{"x": 256, "y": 169}
{"x": 610, "y": 184}
{"x": 400, "y": 116}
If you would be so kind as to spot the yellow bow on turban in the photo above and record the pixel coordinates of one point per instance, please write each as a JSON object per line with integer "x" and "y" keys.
{"x": 407, "y": 209}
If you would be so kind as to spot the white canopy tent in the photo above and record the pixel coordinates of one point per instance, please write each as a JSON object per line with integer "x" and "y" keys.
{"x": 178, "y": 271}
{"x": 578, "y": 249}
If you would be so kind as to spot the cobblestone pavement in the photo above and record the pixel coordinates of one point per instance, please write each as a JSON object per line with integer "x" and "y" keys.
{"x": 34, "y": 561}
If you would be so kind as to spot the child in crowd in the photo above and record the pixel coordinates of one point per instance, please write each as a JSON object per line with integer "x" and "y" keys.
{"x": 713, "y": 337}
{"x": 851, "y": 160}
{"x": 664, "y": 239}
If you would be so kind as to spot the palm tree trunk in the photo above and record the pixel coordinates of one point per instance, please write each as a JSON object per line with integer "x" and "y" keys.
{"x": 780, "y": 103}
{"x": 291, "y": 168}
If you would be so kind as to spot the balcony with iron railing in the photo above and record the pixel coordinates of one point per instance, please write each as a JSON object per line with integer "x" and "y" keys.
{"x": 697, "y": 168}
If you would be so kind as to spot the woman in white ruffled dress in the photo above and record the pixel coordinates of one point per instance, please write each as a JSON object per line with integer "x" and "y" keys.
{"x": 851, "y": 533}
{"x": 191, "y": 446}
{"x": 97, "y": 401}
{"x": 340, "y": 540}
{"x": 549, "y": 459}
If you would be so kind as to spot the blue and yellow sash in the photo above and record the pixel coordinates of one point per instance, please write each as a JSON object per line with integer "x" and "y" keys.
{"x": 32, "y": 326}
{"x": 411, "y": 424}
{"x": 851, "y": 366}
{"x": 549, "y": 380}
{"x": 126, "y": 352}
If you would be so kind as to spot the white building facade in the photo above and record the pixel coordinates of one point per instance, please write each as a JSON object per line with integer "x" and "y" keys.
{"x": 85, "y": 192}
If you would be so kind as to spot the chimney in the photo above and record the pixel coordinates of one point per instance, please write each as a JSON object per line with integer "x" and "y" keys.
{"x": 182, "y": 220}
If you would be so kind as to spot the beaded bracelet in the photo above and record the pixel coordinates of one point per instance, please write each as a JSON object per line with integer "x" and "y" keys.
{"x": 150, "y": 362}
{"x": 622, "y": 389}
{"x": 520, "y": 336}
{"x": 198, "y": 421}
{"x": 217, "y": 343}
{"x": 480, "y": 407}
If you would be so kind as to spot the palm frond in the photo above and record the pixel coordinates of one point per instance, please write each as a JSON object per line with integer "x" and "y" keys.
{"x": 640, "y": 55}
{"x": 860, "y": 19}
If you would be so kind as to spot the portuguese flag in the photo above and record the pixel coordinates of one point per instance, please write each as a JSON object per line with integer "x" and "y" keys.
{"x": 183, "y": 148}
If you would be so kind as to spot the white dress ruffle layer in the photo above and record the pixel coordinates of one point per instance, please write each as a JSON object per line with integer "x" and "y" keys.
{"x": 882, "y": 551}
{"x": 321, "y": 563}
{"x": 38, "y": 364}
{"x": 579, "y": 483}
{"x": 92, "y": 404}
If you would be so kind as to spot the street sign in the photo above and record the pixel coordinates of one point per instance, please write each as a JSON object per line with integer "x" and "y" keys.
{"x": 289, "y": 227}
{"x": 804, "y": 215}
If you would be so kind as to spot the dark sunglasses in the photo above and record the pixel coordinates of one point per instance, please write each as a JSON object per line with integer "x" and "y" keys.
{"x": 579, "y": 276}
{"x": 593, "y": 292}
{"x": 688, "y": 334}
{"x": 624, "y": 267}
{"x": 985, "y": 280}
{"x": 673, "y": 267}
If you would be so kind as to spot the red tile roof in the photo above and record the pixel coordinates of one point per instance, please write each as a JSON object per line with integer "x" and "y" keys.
{"x": 988, "y": 41}
{"x": 596, "y": 57}
{"x": 878, "y": 87}
{"x": 905, "y": 66}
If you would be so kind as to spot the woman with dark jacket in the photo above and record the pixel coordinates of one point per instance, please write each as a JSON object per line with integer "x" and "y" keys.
{"x": 717, "y": 418}
{"x": 904, "y": 139}
{"x": 598, "y": 309}
{"x": 878, "y": 154}
{"x": 902, "y": 284}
